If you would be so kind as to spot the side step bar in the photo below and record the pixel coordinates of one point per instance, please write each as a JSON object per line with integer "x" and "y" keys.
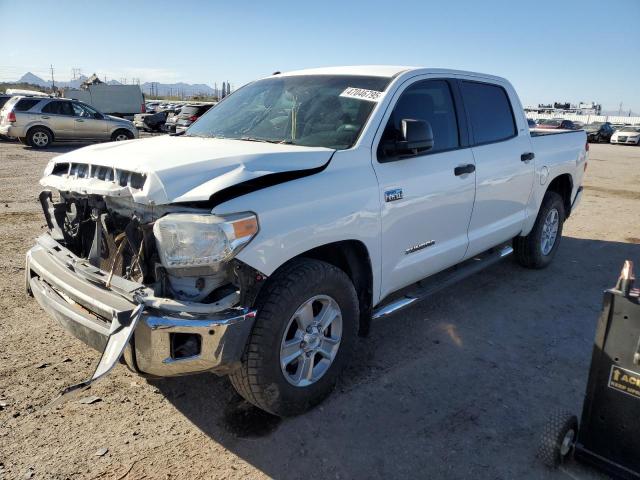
{"x": 424, "y": 288}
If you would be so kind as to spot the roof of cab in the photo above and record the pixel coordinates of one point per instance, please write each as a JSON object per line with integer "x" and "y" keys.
{"x": 388, "y": 71}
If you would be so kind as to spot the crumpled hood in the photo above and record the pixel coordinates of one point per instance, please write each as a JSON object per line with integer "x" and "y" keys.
{"x": 175, "y": 168}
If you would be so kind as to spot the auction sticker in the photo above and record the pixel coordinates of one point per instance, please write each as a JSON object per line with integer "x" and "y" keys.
{"x": 625, "y": 381}
{"x": 361, "y": 94}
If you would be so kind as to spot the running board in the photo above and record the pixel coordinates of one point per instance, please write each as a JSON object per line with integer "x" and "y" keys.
{"x": 424, "y": 288}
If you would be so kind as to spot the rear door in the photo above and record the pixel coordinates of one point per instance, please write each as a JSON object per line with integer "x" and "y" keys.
{"x": 58, "y": 116}
{"x": 426, "y": 203}
{"x": 504, "y": 164}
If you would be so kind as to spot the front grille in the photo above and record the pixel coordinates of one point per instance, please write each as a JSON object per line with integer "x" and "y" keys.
{"x": 124, "y": 178}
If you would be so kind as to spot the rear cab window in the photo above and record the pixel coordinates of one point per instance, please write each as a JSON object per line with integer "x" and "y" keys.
{"x": 489, "y": 111}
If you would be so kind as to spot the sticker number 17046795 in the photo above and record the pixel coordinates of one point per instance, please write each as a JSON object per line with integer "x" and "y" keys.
{"x": 361, "y": 94}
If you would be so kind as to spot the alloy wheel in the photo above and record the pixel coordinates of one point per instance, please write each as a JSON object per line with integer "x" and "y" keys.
{"x": 311, "y": 341}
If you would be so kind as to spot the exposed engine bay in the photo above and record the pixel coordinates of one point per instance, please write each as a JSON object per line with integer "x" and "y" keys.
{"x": 116, "y": 235}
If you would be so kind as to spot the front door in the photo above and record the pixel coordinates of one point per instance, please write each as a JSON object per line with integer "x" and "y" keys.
{"x": 89, "y": 123}
{"x": 426, "y": 201}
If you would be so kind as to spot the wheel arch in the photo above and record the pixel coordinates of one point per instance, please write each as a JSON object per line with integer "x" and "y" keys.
{"x": 115, "y": 130}
{"x": 563, "y": 186}
{"x": 39, "y": 125}
{"x": 352, "y": 257}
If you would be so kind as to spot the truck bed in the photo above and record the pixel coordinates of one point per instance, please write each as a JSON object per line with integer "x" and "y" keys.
{"x": 541, "y": 132}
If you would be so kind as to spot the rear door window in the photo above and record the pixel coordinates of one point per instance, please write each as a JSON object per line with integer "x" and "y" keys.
{"x": 58, "y": 108}
{"x": 25, "y": 104}
{"x": 489, "y": 111}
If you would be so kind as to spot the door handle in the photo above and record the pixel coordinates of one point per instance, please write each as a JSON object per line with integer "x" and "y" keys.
{"x": 468, "y": 168}
{"x": 79, "y": 120}
{"x": 525, "y": 157}
{"x": 45, "y": 117}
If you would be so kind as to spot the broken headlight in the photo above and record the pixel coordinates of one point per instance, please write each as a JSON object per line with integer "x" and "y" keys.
{"x": 189, "y": 240}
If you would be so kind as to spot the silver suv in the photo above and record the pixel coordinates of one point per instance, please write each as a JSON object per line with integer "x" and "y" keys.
{"x": 38, "y": 121}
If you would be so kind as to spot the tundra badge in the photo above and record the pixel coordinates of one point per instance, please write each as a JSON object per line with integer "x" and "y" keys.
{"x": 393, "y": 195}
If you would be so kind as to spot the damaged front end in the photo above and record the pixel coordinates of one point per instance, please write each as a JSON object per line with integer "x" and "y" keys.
{"x": 157, "y": 285}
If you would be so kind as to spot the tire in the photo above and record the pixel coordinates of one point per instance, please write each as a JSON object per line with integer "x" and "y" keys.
{"x": 121, "y": 135}
{"x": 530, "y": 252}
{"x": 39, "y": 137}
{"x": 558, "y": 438}
{"x": 261, "y": 379}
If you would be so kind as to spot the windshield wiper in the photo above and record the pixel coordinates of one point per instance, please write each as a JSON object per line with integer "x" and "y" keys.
{"x": 264, "y": 140}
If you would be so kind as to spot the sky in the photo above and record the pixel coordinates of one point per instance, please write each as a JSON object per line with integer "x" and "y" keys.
{"x": 560, "y": 50}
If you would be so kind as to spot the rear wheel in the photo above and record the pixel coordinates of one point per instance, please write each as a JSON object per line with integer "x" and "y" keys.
{"x": 121, "y": 135}
{"x": 39, "y": 137}
{"x": 303, "y": 337}
{"x": 537, "y": 249}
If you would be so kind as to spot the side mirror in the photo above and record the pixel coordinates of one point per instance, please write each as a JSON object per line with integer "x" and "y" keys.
{"x": 417, "y": 136}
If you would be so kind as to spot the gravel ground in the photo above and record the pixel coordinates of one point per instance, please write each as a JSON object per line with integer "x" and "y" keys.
{"x": 456, "y": 387}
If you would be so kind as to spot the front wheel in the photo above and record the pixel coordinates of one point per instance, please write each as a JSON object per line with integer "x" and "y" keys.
{"x": 121, "y": 135}
{"x": 303, "y": 337}
{"x": 537, "y": 249}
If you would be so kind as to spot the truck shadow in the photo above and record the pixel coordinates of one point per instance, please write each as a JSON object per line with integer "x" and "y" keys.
{"x": 437, "y": 390}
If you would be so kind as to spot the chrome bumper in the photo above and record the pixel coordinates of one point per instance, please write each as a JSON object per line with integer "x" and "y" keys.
{"x": 74, "y": 292}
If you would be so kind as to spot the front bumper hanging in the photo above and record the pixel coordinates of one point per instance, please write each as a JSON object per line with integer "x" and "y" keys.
{"x": 126, "y": 319}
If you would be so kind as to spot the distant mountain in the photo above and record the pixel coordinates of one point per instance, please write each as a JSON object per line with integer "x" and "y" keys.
{"x": 163, "y": 89}
{"x": 36, "y": 80}
{"x": 33, "y": 79}
{"x": 177, "y": 89}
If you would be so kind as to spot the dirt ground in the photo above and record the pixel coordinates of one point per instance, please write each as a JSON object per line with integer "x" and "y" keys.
{"x": 456, "y": 387}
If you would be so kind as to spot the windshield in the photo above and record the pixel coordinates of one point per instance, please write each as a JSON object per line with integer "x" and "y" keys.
{"x": 554, "y": 123}
{"x": 630, "y": 129}
{"x": 309, "y": 110}
{"x": 593, "y": 126}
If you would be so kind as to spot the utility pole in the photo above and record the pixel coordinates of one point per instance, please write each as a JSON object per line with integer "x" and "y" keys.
{"x": 620, "y": 109}
{"x": 53, "y": 83}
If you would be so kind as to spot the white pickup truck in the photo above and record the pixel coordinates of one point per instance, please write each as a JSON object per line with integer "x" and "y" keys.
{"x": 262, "y": 241}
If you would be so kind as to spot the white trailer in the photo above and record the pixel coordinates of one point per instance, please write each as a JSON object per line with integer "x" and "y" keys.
{"x": 118, "y": 100}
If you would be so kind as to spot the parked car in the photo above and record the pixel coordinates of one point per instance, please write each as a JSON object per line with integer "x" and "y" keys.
{"x": 4, "y": 99}
{"x": 599, "y": 131}
{"x": 188, "y": 115}
{"x": 557, "y": 123}
{"x": 531, "y": 123}
{"x": 170, "y": 124}
{"x": 150, "y": 122}
{"x": 260, "y": 242}
{"x": 38, "y": 122}
{"x": 627, "y": 136}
